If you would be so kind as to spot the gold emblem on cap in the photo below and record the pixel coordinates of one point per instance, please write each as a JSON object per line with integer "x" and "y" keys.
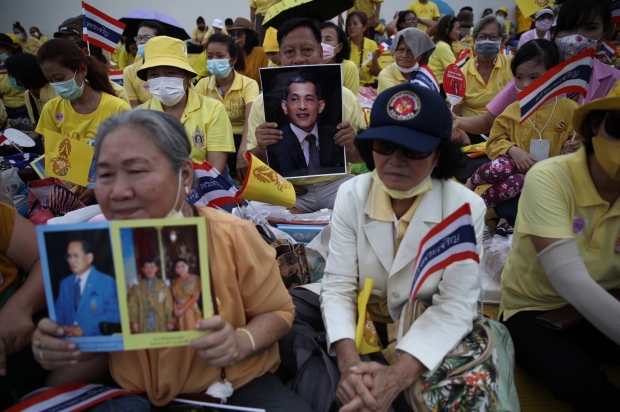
{"x": 404, "y": 106}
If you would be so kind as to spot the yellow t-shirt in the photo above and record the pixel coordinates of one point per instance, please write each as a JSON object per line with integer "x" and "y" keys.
{"x": 428, "y": 11}
{"x": 367, "y": 6}
{"x": 12, "y": 98}
{"x": 43, "y": 39}
{"x": 206, "y": 123}
{"x": 31, "y": 45}
{"x": 559, "y": 201}
{"x": 358, "y": 58}
{"x": 59, "y": 116}
{"x": 119, "y": 91}
{"x": 507, "y": 132}
{"x": 120, "y": 47}
{"x": 200, "y": 66}
{"x": 125, "y": 60}
{"x": 46, "y": 93}
{"x": 199, "y": 35}
{"x": 524, "y": 23}
{"x": 477, "y": 93}
{"x": 350, "y": 76}
{"x": 262, "y": 6}
{"x": 466, "y": 43}
{"x": 390, "y": 77}
{"x": 242, "y": 92}
{"x": 352, "y": 113}
{"x": 441, "y": 58}
{"x": 254, "y": 62}
{"x": 8, "y": 270}
{"x": 136, "y": 88}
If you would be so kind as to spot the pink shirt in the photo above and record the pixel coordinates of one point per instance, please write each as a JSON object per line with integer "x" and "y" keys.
{"x": 602, "y": 81}
{"x": 531, "y": 35}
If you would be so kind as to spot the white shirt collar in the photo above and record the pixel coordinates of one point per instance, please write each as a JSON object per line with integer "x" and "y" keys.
{"x": 301, "y": 135}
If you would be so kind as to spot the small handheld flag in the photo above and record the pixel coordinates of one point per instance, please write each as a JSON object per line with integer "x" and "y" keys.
{"x": 452, "y": 240}
{"x": 117, "y": 77}
{"x": 425, "y": 77}
{"x": 68, "y": 159}
{"x": 607, "y": 52}
{"x": 100, "y": 29}
{"x": 387, "y": 44}
{"x": 507, "y": 52}
{"x": 263, "y": 184}
{"x": 463, "y": 57}
{"x": 213, "y": 189}
{"x": 366, "y": 336}
{"x": 615, "y": 12}
{"x": 571, "y": 76}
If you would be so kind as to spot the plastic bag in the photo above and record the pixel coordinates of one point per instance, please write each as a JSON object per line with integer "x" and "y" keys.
{"x": 495, "y": 253}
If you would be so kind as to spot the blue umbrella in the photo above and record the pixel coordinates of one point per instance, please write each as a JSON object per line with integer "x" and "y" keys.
{"x": 444, "y": 8}
{"x": 172, "y": 27}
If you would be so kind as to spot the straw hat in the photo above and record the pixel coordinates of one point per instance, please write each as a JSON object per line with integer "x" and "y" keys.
{"x": 243, "y": 24}
{"x": 270, "y": 44}
{"x": 608, "y": 103}
{"x": 165, "y": 51}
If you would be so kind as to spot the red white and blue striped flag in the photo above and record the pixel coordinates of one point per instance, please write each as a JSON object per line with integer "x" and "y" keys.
{"x": 507, "y": 52}
{"x": 101, "y": 29}
{"x": 571, "y": 76}
{"x": 463, "y": 57}
{"x": 424, "y": 76}
{"x": 387, "y": 44}
{"x": 452, "y": 240}
{"x": 607, "y": 51}
{"x": 213, "y": 189}
{"x": 116, "y": 76}
{"x": 615, "y": 12}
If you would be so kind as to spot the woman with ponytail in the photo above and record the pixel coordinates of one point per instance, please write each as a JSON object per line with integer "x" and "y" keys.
{"x": 86, "y": 97}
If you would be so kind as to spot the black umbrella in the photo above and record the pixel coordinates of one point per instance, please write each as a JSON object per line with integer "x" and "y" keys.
{"x": 320, "y": 10}
{"x": 171, "y": 26}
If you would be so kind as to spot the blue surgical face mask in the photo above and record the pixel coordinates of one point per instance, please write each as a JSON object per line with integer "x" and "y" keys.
{"x": 3, "y": 57}
{"x": 220, "y": 68}
{"x": 68, "y": 90}
{"x": 14, "y": 84}
{"x": 140, "y": 50}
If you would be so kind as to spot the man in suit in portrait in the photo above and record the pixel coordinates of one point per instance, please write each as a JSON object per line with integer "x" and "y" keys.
{"x": 87, "y": 297}
{"x": 306, "y": 148}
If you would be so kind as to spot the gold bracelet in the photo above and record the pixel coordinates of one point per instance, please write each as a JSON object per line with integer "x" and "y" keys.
{"x": 247, "y": 332}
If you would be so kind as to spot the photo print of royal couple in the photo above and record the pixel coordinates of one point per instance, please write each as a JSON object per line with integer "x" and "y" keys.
{"x": 306, "y": 104}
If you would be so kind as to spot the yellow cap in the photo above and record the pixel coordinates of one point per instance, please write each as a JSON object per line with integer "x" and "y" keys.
{"x": 270, "y": 44}
{"x": 504, "y": 9}
{"x": 608, "y": 103}
{"x": 165, "y": 51}
{"x": 13, "y": 37}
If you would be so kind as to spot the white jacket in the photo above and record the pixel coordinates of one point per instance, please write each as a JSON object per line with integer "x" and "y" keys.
{"x": 361, "y": 247}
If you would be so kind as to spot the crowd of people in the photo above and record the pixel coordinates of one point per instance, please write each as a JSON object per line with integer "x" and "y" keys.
{"x": 550, "y": 184}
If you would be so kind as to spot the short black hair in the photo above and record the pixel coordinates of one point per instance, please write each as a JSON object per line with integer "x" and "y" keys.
{"x": 150, "y": 260}
{"x": 85, "y": 245}
{"x": 181, "y": 260}
{"x": 538, "y": 51}
{"x": 301, "y": 79}
{"x": 291, "y": 24}
{"x": 233, "y": 50}
{"x": 402, "y": 16}
{"x": 228, "y": 22}
{"x": 446, "y": 24}
{"x": 17, "y": 25}
{"x": 467, "y": 8}
{"x": 200, "y": 20}
{"x": 451, "y": 158}
{"x": 155, "y": 25}
{"x": 577, "y": 13}
{"x": 25, "y": 68}
{"x": 489, "y": 9}
{"x": 345, "y": 53}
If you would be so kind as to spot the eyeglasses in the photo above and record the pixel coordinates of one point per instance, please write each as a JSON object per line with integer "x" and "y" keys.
{"x": 612, "y": 124}
{"x": 492, "y": 37}
{"x": 386, "y": 149}
{"x": 236, "y": 33}
{"x": 145, "y": 38}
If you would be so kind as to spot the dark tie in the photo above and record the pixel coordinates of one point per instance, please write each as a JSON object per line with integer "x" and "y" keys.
{"x": 314, "y": 158}
{"x": 77, "y": 294}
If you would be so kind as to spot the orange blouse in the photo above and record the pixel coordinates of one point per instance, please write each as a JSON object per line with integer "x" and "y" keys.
{"x": 255, "y": 60}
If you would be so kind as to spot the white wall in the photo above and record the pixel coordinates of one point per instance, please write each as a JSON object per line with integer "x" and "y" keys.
{"x": 48, "y": 14}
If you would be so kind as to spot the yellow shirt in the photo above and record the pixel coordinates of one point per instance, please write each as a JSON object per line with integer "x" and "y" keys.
{"x": 242, "y": 92}
{"x": 136, "y": 88}
{"x": 477, "y": 93}
{"x": 507, "y": 26}
{"x": 524, "y": 23}
{"x": 350, "y": 76}
{"x": 206, "y": 123}
{"x": 46, "y": 93}
{"x": 43, "y": 39}
{"x": 466, "y": 43}
{"x": 507, "y": 132}
{"x": 441, "y": 58}
{"x": 262, "y": 6}
{"x": 428, "y": 11}
{"x": 210, "y": 33}
{"x": 390, "y": 77}
{"x": 120, "y": 47}
{"x": 368, "y": 48}
{"x": 8, "y": 270}
{"x": 200, "y": 66}
{"x": 119, "y": 91}
{"x": 559, "y": 201}
{"x": 367, "y": 6}
{"x": 198, "y": 35}
{"x": 256, "y": 59}
{"x": 12, "y": 98}
{"x": 352, "y": 113}
{"x": 59, "y": 116}
{"x": 31, "y": 45}
{"x": 125, "y": 60}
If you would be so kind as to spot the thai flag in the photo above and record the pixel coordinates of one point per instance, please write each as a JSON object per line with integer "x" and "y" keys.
{"x": 615, "y": 12}
{"x": 424, "y": 76}
{"x": 463, "y": 58}
{"x": 116, "y": 76}
{"x": 507, "y": 52}
{"x": 387, "y": 45}
{"x": 607, "y": 52}
{"x": 452, "y": 240}
{"x": 101, "y": 29}
{"x": 571, "y": 76}
{"x": 213, "y": 189}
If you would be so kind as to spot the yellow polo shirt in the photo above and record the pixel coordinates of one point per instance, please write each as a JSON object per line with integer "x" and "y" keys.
{"x": 200, "y": 66}
{"x": 242, "y": 92}
{"x": 390, "y": 77}
{"x": 199, "y": 35}
{"x": 120, "y": 47}
{"x": 477, "y": 93}
{"x": 441, "y": 58}
{"x": 262, "y": 6}
{"x": 352, "y": 113}
{"x": 427, "y": 11}
{"x": 31, "y": 45}
{"x": 136, "y": 88}
{"x": 125, "y": 60}
{"x": 12, "y": 98}
{"x": 206, "y": 123}
{"x": 559, "y": 201}
{"x": 367, "y": 6}
{"x": 350, "y": 76}
{"x": 59, "y": 116}
{"x": 466, "y": 43}
{"x": 46, "y": 93}
{"x": 358, "y": 58}
{"x": 119, "y": 91}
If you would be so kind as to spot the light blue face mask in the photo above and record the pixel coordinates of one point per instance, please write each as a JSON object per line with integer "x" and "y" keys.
{"x": 69, "y": 90}
{"x": 3, "y": 57}
{"x": 140, "y": 50}
{"x": 220, "y": 68}
{"x": 14, "y": 84}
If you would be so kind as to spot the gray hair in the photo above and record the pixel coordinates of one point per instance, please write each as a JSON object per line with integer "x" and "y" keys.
{"x": 501, "y": 24}
{"x": 165, "y": 131}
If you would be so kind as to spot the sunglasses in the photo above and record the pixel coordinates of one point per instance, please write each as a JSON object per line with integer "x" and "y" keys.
{"x": 386, "y": 149}
{"x": 236, "y": 33}
{"x": 612, "y": 124}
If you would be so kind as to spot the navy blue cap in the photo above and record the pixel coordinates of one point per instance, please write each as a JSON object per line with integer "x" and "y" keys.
{"x": 411, "y": 116}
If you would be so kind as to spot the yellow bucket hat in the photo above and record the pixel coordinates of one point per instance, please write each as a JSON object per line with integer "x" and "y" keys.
{"x": 610, "y": 102}
{"x": 504, "y": 9}
{"x": 165, "y": 51}
{"x": 270, "y": 44}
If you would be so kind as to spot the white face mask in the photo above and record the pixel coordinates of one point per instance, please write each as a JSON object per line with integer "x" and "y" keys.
{"x": 20, "y": 36}
{"x": 168, "y": 90}
{"x": 411, "y": 69}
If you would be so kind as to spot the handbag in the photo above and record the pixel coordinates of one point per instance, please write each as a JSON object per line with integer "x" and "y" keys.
{"x": 477, "y": 375}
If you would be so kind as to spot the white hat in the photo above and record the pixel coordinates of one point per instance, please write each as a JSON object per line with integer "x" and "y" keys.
{"x": 542, "y": 12}
{"x": 218, "y": 23}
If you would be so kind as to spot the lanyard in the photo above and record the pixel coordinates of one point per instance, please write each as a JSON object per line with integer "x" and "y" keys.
{"x": 546, "y": 124}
